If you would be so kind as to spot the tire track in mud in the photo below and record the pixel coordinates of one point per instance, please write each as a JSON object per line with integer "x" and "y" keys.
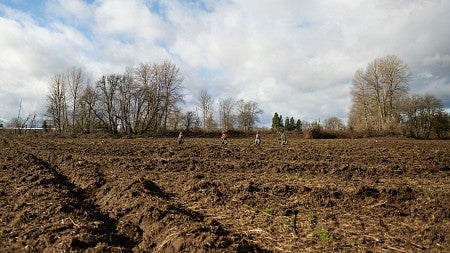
{"x": 85, "y": 226}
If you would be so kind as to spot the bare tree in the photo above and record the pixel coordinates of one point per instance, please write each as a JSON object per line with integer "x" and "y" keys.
{"x": 20, "y": 123}
{"x": 168, "y": 81}
{"x": 75, "y": 85}
{"x": 361, "y": 113}
{"x": 226, "y": 107}
{"x": 211, "y": 122}
{"x": 57, "y": 104}
{"x": 125, "y": 99}
{"x": 143, "y": 99}
{"x": 377, "y": 93}
{"x": 175, "y": 118}
{"x": 146, "y": 99}
{"x": 424, "y": 115}
{"x": 190, "y": 121}
{"x": 108, "y": 110}
{"x": 334, "y": 124}
{"x": 247, "y": 114}
{"x": 156, "y": 92}
{"x": 87, "y": 108}
{"x": 205, "y": 103}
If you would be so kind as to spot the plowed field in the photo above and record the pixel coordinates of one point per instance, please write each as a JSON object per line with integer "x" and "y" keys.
{"x": 153, "y": 195}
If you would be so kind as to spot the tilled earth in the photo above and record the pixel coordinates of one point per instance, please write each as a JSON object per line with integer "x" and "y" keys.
{"x": 152, "y": 195}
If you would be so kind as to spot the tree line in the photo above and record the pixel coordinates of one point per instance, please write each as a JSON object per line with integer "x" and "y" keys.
{"x": 334, "y": 124}
{"x": 290, "y": 124}
{"x": 380, "y": 102}
{"x": 232, "y": 114}
{"x": 149, "y": 98}
{"x": 144, "y": 99}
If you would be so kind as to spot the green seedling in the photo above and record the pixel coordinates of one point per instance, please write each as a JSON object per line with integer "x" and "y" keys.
{"x": 268, "y": 211}
{"x": 323, "y": 235}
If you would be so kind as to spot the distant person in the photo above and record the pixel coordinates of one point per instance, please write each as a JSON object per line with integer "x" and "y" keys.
{"x": 180, "y": 138}
{"x": 224, "y": 137}
{"x": 283, "y": 138}
{"x": 257, "y": 139}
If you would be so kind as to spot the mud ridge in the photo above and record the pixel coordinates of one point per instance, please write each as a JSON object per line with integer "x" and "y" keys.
{"x": 82, "y": 225}
{"x": 152, "y": 195}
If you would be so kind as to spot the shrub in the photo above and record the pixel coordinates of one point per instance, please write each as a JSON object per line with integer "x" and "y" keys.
{"x": 323, "y": 235}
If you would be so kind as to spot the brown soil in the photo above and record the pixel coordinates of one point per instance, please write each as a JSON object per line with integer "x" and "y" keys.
{"x": 152, "y": 195}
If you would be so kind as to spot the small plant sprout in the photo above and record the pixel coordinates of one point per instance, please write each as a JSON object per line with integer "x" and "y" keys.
{"x": 323, "y": 235}
{"x": 268, "y": 210}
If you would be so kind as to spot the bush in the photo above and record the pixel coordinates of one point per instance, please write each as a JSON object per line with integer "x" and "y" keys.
{"x": 319, "y": 133}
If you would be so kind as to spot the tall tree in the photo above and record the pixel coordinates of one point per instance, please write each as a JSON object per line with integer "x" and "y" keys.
{"x": 75, "y": 85}
{"x": 334, "y": 124}
{"x": 277, "y": 122}
{"x": 57, "y": 103}
{"x": 190, "y": 120}
{"x": 247, "y": 114}
{"x": 142, "y": 99}
{"x": 125, "y": 96}
{"x": 292, "y": 123}
{"x": 175, "y": 119}
{"x": 210, "y": 122}
{"x": 146, "y": 99}
{"x": 109, "y": 106}
{"x": 361, "y": 112}
{"x": 226, "y": 107}
{"x": 168, "y": 79}
{"x": 87, "y": 108}
{"x": 205, "y": 103}
{"x": 377, "y": 93}
{"x": 424, "y": 115}
{"x": 287, "y": 126}
{"x": 298, "y": 125}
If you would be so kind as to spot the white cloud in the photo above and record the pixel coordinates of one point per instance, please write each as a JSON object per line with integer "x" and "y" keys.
{"x": 77, "y": 11}
{"x": 293, "y": 57}
{"x": 131, "y": 20}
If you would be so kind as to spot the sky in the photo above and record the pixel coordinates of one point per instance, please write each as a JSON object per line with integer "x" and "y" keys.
{"x": 296, "y": 58}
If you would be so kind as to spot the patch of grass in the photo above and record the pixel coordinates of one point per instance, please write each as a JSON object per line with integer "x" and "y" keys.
{"x": 323, "y": 235}
{"x": 296, "y": 175}
{"x": 268, "y": 211}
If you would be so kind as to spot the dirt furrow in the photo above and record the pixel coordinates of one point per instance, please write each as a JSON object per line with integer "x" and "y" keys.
{"x": 152, "y": 195}
{"x": 41, "y": 193}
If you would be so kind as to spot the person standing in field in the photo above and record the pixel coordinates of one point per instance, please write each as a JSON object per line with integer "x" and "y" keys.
{"x": 283, "y": 138}
{"x": 224, "y": 137}
{"x": 180, "y": 138}
{"x": 257, "y": 139}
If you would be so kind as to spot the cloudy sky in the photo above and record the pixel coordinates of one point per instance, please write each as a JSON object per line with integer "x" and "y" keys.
{"x": 296, "y": 58}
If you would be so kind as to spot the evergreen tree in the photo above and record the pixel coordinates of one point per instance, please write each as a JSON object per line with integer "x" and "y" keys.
{"x": 298, "y": 126}
{"x": 276, "y": 122}
{"x": 292, "y": 124}
{"x": 287, "y": 126}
